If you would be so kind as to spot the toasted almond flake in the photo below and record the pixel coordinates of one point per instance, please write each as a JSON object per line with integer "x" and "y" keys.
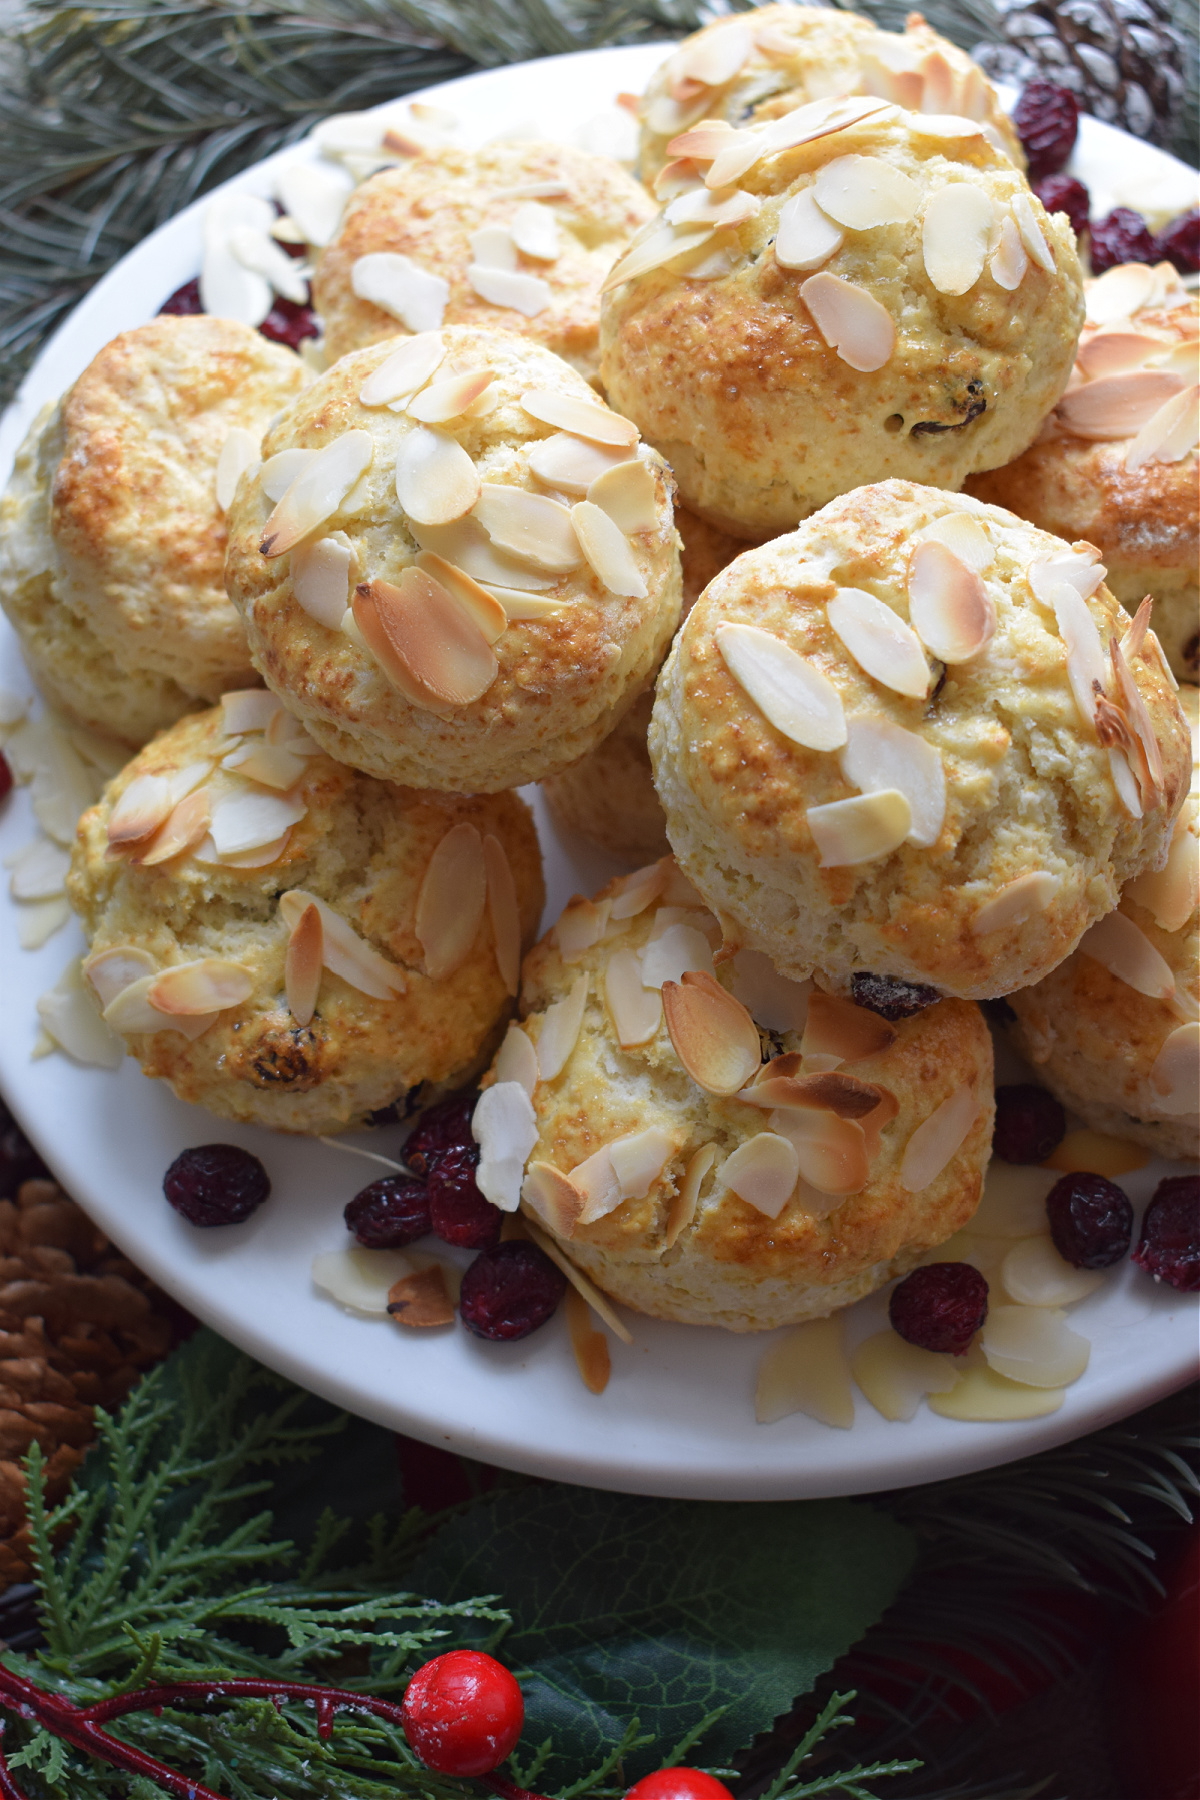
{"x": 942, "y": 125}
{"x": 955, "y": 235}
{"x": 677, "y": 950}
{"x": 524, "y": 607}
{"x": 1096, "y": 1153}
{"x": 436, "y": 481}
{"x": 861, "y": 192}
{"x": 714, "y": 1036}
{"x": 896, "y": 1376}
{"x": 582, "y": 418}
{"x": 1117, "y": 406}
{"x": 1150, "y": 775}
{"x": 781, "y": 1084}
{"x": 129, "y": 1011}
{"x": 526, "y": 294}
{"x": 639, "y": 1158}
{"x": 965, "y": 536}
{"x": 248, "y": 709}
{"x": 1079, "y": 568}
{"x": 207, "y": 985}
{"x": 504, "y": 913}
{"x": 607, "y": 550}
{"x": 239, "y": 452}
{"x": 186, "y": 825}
{"x": 466, "y": 544}
{"x": 788, "y": 689}
{"x": 269, "y": 764}
{"x": 589, "y": 1346}
{"x": 1018, "y": 900}
{"x": 1175, "y": 1076}
{"x": 850, "y": 320}
{"x": 715, "y": 55}
{"x": 1169, "y": 433}
{"x": 1014, "y": 1200}
{"x": 773, "y": 1000}
{"x": 938, "y": 1138}
{"x": 880, "y": 642}
{"x": 553, "y": 1197}
{"x": 1031, "y": 232}
{"x": 483, "y": 608}
{"x": 636, "y": 1010}
{"x": 805, "y": 237}
{"x": 666, "y": 114}
{"x": 261, "y": 857}
{"x": 317, "y": 491}
{"x": 398, "y": 286}
{"x": 322, "y": 575}
{"x": 1119, "y": 293}
{"x": 560, "y": 1027}
{"x": 570, "y": 464}
{"x": 984, "y": 1396}
{"x": 819, "y": 118}
{"x": 762, "y": 1171}
{"x": 516, "y": 1060}
{"x": 492, "y": 247}
{"x": 727, "y": 208}
{"x": 848, "y": 832}
{"x": 950, "y": 608}
{"x": 69, "y": 1015}
{"x": 1122, "y": 948}
{"x": 704, "y": 141}
{"x": 805, "y": 1371}
{"x": 628, "y": 494}
{"x": 110, "y": 972}
{"x": 279, "y": 471}
{"x": 359, "y": 1279}
{"x": 661, "y": 246}
{"x": 258, "y": 251}
{"x": 1179, "y": 359}
{"x": 1009, "y": 261}
{"x": 343, "y": 951}
{"x": 530, "y": 526}
{"x": 1113, "y": 351}
{"x": 535, "y": 232}
{"x": 1034, "y": 1274}
{"x": 1170, "y": 893}
{"x": 682, "y": 176}
{"x": 39, "y": 872}
{"x": 634, "y": 893}
{"x": 247, "y": 821}
{"x": 425, "y": 640}
{"x": 1123, "y": 777}
{"x": 695, "y": 916}
{"x": 580, "y": 925}
{"x": 449, "y": 399}
{"x": 405, "y": 371}
{"x": 422, "y": 1299}
{"x": 831, "y": 1152}
{"x": 836, "y": 1027}
{"x": 596, "y": 1180}
{"x": 683, "y": 1206}
{"x": 878, "y": 755}
{"x": 504, "y": 1125}
{"x": 1034, "y": 1345}
{"x": 451, "y": 900}
{"x": 140, "y": 810}
{"x": 1086, "y": 669}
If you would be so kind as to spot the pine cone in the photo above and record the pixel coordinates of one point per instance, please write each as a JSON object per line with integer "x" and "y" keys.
{"x": 1123, "y": 59}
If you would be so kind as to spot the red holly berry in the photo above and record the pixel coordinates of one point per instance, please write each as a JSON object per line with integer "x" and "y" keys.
{"x": 463, "y": 1713}
{"x": 1047, "y": 122}
{"x": 1122, "y": 236}
{"x": 679, "y": 1784}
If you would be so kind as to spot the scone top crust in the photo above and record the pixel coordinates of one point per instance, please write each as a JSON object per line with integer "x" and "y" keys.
{"x": 1014, "y": 835}
{"x": 752, "y": 67}
{"x": 429, "y": 210}
{"x": 561, "y": 656}
{"x": 408, "y": 992}
{"x": 840, "y": 1211}
{"x": 926, "y": 345}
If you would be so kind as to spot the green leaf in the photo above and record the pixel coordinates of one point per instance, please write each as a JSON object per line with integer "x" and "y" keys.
{"x": 666, "y": 1610}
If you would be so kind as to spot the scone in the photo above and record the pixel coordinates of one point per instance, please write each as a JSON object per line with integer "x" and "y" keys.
{"x": 751, "y": 67}
{"x": 287, "y": 942}
{"x": 513, "y": 237}
{"x": 1116, "y": 461}
{"x": 455, "y": 566}
{"x": 112, "y": 539}
{"x": 857, "y": 292}
{"x": 1113, "y": 1031}
{"x": 608, "y": 796}
{"x": 918, "y": 739}
{"x": 720, "y": 1146}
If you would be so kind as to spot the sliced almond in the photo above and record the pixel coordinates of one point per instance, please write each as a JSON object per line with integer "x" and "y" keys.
{"x": 141, "y": 809}
{"x": 836, "y": 1027}
{"x": 1119, "y": 293}
{"x": 570, "y": 464}
{"x": 966, "y": 536}
{"x": 250, "y": 820}
{"x": 504, "y": 913}
{"x": 639, "y": 1158}
{"x": 130, "y": 1012}
{"x": 683, "y": 1206}
{"x": 466, "y": 544}
{"x": 1170, "y": 433}
{"x": 322, "y": 574}
{"x": 39, "y": 872}
{"x": 248, "y": 709}
{"x": 850, "y": 320}
{"x": 484, "y": 609}
{"x": 1009, "y": 261}
{"x": 345, "y": 953}
{"x": 817, "y": 119}
{"x": 1086, "y": 668}
{"x": 1018, "y": 900}
{"x": 269, "y": 764}
{"x": 318, "y": 491}
{"x": 1079, "y": 568}
{"x": 424, "y": 640}
{"x": 436, "y": 481}
{"x": 1150, "y": 773}
{"x": 805, "y": 1371}
{"x": 660, "y": 246}
{"x": 1122, "y": 948}
{"x": 780, "y": 1084}
{"x": 714, "y": 1036}
{"x": 1034, "y": 1274}
{"x": 861, "y": 192}
{"x": 950, "y": 608}
{"x": 504, "y": 1125}
{"x": 526, "y": 294}
{"x": 186, "y": 825}
{"x": 981, "y": 1394}
{"x": 896, "y": 1376}
{"x": 805, "y": 238}
{"x": 530, "y": 526}
{"x": 878, "y": 755}
{"x": 607, "y": 550}
{"x": 279, "y": 471}
{"x": 879, "y": 640}
{"x": 787, "y": 688}
{"x": 208, "y": 985}
{"x": 238, "y": 453}
{"x": 726, "y": 208}
{"x": 1170, "y": 893}
{"x": 553, "y": 1197}
{"x": 535, "y": 232}
{"x": 1096, "y": 1153}
{"x": 1175, "y": 1076}
{"x": 849, "y": 832}
{"x": 302, "y": 965}
{"x": 1117, "y": 406}
{"x": 1114, "y": 351}
{"x": 589, "y": 1346}
{"x": 449, "y": 399}
{"x": 492, "y": 247}
{"x": 714, "y": 56}
{"x": 581, "y": 924}
{"x": 421, "y": 1299}
{"x": 395, "y": 283}
{"x": 583, "y": 418}
{"x": 635, "y": 1010}
{"x": 762, "y": 1171}
{"x": 71, "y": 1020}
{"x": 560, "y": 1027}
{"x": 938, "y": 1138}
{"x": 955, "y": 234}
{"x": 596, "y": 1180}
{"x": 831, "y": 1152}
{"x": 451, "y": 900}
{"x": 110, "y": 972}
{"x": 261, "y": 857}
{"x": 634, "y": 893}
{"x": 516, "y": 1060}
{"x": 1034, "y": 1345}
{"x": 704, "y": 141}
{"x": 628, "y": 494}
{"x": 408, "y": 368}
{"x": 1031, "y": 232}
{"x": 314, "y": 196}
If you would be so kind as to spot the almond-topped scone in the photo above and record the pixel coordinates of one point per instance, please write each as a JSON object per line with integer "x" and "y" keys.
{"x": 1115, "y": 1030}
{"x": 512, "y": 237}
{"x": 917, "y": 738}
{"x": 748, "y": 68}
{"x": 112, "y": 530}
{"x": 1116, "y": 462}
{"x": 456, "y": 565}
{"x": 286, "y": 941}
{"x": 714, "y": 1144}
{"x": 846, "y": 293}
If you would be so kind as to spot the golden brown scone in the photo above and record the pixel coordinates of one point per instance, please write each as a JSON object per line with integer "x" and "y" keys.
{"x": 1004, "y": 835}
{"x": 1129, "y": 485}
{"x": 360, "y": 848}
{"x": 429, "y": 211}
{"x": 842, "y": 1206}
{"x": 522, "y": 685}
{"x": 608, "y": 796}
{"x": 954, "y": 333}
{"x": 1128, "y": 1060}
{"x": 749, "y": 68}
{"x": 112, "y": 543}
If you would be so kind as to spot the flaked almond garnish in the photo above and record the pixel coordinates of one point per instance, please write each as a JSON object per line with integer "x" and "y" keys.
{"x": 714, "y": 1036}
{"x": 701, "y": 143}
{"x": 581, "y": 924}
{"x": 981, "y": 1394}
{"x": 483, "y": 607}
{"x": 781, "y": 1083}
{"x": 938, "y": 1139}
{"x": 1123, "y": 948}
{"x": 492, "y": 247}
{"x": 238, "y": 453}
{"x": 560, "y": 1027}
{"x": 654, "y": 251}
{"x": 516, "y": 1060}
{"x": 518, "y": 606}
{"x": 1086, "y": 668}
{"x": 208, "y": 985}
{"x": 635, "y": 1009}
{"x": 466, "y": 544}
{"x": 1009, "y": 260}
{"x": 279, "y": 471}
{"x": 302, "y": 965}
{"x": 449, "y": 399}
{"x": 1169, "y": 433}
{"x": 131, "y": 1012}
{"x": 313, "y": 197}
{"x": 504, "y": 913}
{"x": 1031, "y": 232}
{"x": 1119, "y": 293}
{"x": 638, "y": 1160}
{"x": 607, "y": 550}
{"x": 322, "y": 575}
{"x": 628, "y": 494}
{"x": 1113, "y": 351}
{"x": 896, "y": 1376}
{"x": 589, "y": 1346}
{"x": 395, "y": 283}
{"x": 1180, "y": 358}
{"x": 141, "y": 809}
{"x": 805, "y": 237}
{"x": 571, "y": 464}
{"x": 715, "y": 55}
{"x": 878, "y": 755}
{"x": 110, "y": 972}
{"x": 788, "y": 689}
{"x": 1079, "y": 568}
{"x": 530, "y": 526}
{"x": 582, "y": 418}
{"x": 343, "y": 951}
{"x": 248, "y": 821}
{"x": 1117, "y": 406}
{"x": 772, "y": 999}
{"x": 451, "y": 900}
{"x": 681, "y": 176}
{"x": 861, "y": 192}
{"x": 683, "y": 1207}
{"x": 1175, "y": 1075}
{"x": 950, "y": 608}
{"x": 436, "y": 481}
{"x": 404, "y": 371}
{"x": 1034, "y": 1345}
{"x": 726, "y": 209}
{"x": 262, "y": 856}
{"x": 421, "y": 1299}
{"x": 1119, "y": 762}
{"x": 248, "y": 709}
{"x": 836, "y": 1027}
{"x": 534, "y": 230}
{"x": 182, "y": 830}
{"x": 941, "y": 125}
{"x": 425, "y": 641}
{"x": 762, "y": 1171}
{"x": 666, "y": 114}
{"x": 1134, "y": 707}
{"x": 1018, "y": 900}
{"x": 880, "y": 642}
{"x": 1034, "y": 1274}
{"x": 848, "y": 832}
{"x": 526, "y": 294}
{"x": 597, "y": 1181}
{"x": 634, "y": 893}
{"x": 805, "y": 1371}
{"x": 850, "y": 320}
{"x": 1170, "y": 893}
{"x": 318, "y": 491}
{"x": 1092, "y": 1153}
{"x": 966, "y": 536}
{"x": 554, "y": 1197}
{"x": 819, "y": 118}
{"x": 955, "y": 234}
{"x": 504, "y": 1125}
{"x": 831, "y": 1152}
{"x": 269, "y": 764}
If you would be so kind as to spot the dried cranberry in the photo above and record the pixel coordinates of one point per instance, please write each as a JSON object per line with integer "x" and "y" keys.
{"x": 19, "y": 1161}
{"x": 390, "y": 1213}
{"x": 1179, "y": 243}
{"x": 1047, "y": 122}
{"x": 509, "y": 1291}
{"x": 1030, "y": 1124}
{"x": 940, "y": 1307}
{"x": 890, "y": 997}
{"x": 1169, "y": 1247}
{"x": 1091, "y": 1220}
{"x": 679, "y": 1784}
{"x": 1121, "y": 237}
{"x": 448, "y": 1123}
{"x": 216, "y": 1184}
{"x": 290, "y": 322}
{"x": 6, "y": 776}
{"x": 1062, "y": 193}
{"x": 458, "y": 1212}
{"x": 185, "y": 299}
{"x": 463, "y": 1713}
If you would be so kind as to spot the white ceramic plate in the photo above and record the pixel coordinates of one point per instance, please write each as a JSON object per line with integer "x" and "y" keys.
{"x": 677, "y": 1417}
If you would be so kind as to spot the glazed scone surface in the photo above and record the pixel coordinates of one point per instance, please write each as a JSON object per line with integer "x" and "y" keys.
{"x": 719, "y": 356}
{"x": 573, "y": 654}
{"x": 360, "y": 847}
{"x": 429, "y": 211}
{"x": 112, "y": 544}
{"x": 1012, "y": 838}
{"x": 730, "y": 1263}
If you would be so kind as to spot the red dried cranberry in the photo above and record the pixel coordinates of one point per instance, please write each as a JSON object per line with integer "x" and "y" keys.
{"x": 891, "y": 997}
{"x": 290, "y": 322}
{"x": 458, "y": 1212}
{"x": 1179, "y": 243}
{"x": 940, "y": 1307}
{"x": 1062, "y": 193}
{"x": 1169, "y": 1247}
{"x": 1122, "y": 236}
{"x": 509, "y": 1291}
{"x": 1047, "y": 122}
{"x": 1091, "y": 1220}
{"x": 185, "y": 299}
{"x": 679, "y": 1784}
{"x": 1030, "y": 1124}
{"x": 216, "y": 1184}
{"x": 19, "y": 1161}
{"x": 389, "y": 1214}
{"x": 463, "y": 1713}
{"x": 6, "y": 776}
{"x": 447, "y": 1123}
